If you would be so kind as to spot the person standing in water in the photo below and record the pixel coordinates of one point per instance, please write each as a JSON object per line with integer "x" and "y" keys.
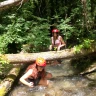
{"x": 36, "y": 74}
{"x": 57, "y": 42}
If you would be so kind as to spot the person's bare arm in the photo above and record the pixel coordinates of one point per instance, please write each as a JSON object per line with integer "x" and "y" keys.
{"x": 26, "y": 76}
{"x": 48, "y": 75}
{"x": 62, "y": 43}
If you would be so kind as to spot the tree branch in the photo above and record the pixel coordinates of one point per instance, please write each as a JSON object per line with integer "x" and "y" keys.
{"x": 10, "y": 3}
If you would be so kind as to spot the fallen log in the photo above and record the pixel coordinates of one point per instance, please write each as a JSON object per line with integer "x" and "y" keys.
{"x": 90, "y": 69}
{"x": 6, "y": 84}
{"x": 49, "y": 55}
{"x": 10, "y": 3}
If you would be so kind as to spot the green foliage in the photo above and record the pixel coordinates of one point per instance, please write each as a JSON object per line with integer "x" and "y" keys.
{"x": 29, "y": 24}
{"x": 66, "y": 28}
{"x": 13, "y": 32}
{"x": 86, "y": 44}
{"x": 38, "y": 37}
{"x": 3, "y": 59}
{"x": 4, "y": 65}
{"x": 19, "y": 32}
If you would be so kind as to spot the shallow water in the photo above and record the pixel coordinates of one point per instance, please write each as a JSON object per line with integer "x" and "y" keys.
{"x": 63, "y": 83}
{"x": 62, "y": 86}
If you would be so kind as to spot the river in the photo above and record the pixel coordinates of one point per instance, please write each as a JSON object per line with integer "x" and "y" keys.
{"x": 64, "y": 83}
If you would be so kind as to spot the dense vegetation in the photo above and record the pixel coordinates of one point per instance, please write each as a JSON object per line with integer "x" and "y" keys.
{"x": 32, "y": 23}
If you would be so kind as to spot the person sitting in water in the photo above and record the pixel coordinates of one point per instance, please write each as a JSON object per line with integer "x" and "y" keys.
{"x": 57, "y": 41}
{"x": 36, "y": 74}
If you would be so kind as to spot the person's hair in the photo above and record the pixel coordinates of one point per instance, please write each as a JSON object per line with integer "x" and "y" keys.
{"x": 43, "y": 73}
{"x": 56, "y": 33}
{"x": 56, "y": 36}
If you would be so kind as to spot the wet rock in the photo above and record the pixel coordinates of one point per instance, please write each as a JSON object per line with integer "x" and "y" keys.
{"x": 91, "y": 76}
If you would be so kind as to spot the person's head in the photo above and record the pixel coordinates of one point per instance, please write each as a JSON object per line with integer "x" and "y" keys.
{"x": 55, "y": 32}
{"x": 41, "y": 63}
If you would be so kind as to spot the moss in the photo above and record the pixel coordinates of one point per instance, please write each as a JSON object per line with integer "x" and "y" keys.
{"x": 2, "y": 91}
{"x": 17, "y": 70}
{"x": 11, "y": 78}
{"x": 4, "y": 59}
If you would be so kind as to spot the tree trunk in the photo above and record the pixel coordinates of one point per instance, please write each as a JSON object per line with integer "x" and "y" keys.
{"x": 85, "y": 14}
{"x": 10, "y": 3}
{"x": 90, "y": 69}
{"x": 49, "y": 55}
{"x": 8, "y": 81}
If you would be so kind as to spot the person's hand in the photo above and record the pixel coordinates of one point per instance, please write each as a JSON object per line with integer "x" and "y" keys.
{"x": 55, "y": 48}
{"x": 31, "y": 84}
{"x": 58, "y": 49}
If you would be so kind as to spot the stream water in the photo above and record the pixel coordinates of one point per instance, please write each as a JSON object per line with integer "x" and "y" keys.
{"x": 63, "y": 83}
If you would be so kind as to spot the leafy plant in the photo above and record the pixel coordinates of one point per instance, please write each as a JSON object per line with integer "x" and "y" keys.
{"x": 38, "y": 37}
{"x": 66, "y": 28}
{"x": 85, "y": 45}
{"x": 4, "y": 65}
